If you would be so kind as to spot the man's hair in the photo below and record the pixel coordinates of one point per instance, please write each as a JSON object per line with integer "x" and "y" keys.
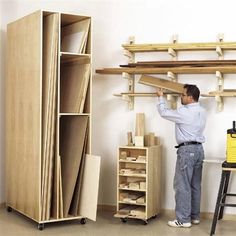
{"x": 192, "y": 90}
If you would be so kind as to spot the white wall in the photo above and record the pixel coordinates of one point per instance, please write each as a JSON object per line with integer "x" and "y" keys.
{"x": 152, "y": 21}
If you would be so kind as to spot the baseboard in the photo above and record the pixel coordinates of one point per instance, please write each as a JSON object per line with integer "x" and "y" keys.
{"x": 171, "y": 213}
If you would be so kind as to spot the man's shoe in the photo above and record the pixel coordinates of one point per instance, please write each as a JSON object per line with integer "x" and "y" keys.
{"x": 177, "y": 224}
{"x": 195, "y": 222}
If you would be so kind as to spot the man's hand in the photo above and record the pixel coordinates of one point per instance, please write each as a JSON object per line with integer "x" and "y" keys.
{"x": 159, "y": 92}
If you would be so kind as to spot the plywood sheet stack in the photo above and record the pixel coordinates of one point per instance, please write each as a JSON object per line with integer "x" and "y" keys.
{"x": 50, "y": 54}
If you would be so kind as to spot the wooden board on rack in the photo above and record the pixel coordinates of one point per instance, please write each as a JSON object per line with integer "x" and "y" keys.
{"x": 185, "y": 63}
{"x": 224, "y": 93}
{"x": 164, "y": 70}
{"x": 161, "y": 83}
{"x": 179, "y": 46}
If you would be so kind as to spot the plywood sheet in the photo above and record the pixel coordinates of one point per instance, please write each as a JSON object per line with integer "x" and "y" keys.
{"x": 50, "y": 60}
{"x": 72, "y": 136}
{"x": 90, "y": 185}
{"x": 77, "y": 191}
{"x": 74, "y": 36}
{"x": 74, "y": 83}
{"x": 161, "y": 83}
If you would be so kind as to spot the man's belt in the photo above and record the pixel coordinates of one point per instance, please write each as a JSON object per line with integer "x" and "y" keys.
{"x": 187, "y": 143}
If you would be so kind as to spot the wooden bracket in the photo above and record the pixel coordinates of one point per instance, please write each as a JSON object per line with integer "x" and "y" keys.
{"x": 129, "y": 77}
{"x": 173, "y": 53}
{"x": 220, "y": 103}
{"x": 127, "y": 98}
{"x": 130, "y": 55}
{"x": 173, "y": 77}
{"x": 219, "y": 51}
{"x": 220, "y": 78}
{"x": 219, "y": 75}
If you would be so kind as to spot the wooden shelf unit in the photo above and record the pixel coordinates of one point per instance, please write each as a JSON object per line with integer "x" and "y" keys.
{"x": 48, "y": 118}
{"x": 147, "y": 186}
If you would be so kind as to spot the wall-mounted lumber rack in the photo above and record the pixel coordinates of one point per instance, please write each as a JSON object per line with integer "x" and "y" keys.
{"x": 174, "y": 67}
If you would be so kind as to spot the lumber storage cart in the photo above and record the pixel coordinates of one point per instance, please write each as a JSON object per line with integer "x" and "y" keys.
{"x": 49, "y": 167}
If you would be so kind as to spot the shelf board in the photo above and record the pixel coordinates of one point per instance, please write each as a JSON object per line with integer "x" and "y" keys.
{"x": 68, "y": 57}
{"x": 134, "y": 175}
{"x": 61, "y": 219}
{"x": 224, "y": 93}
{"x": 142, "y": 94}
{"x": 131, "y": 203}
{"x": 74, "y": 114}
{"x": 179, "y": 46}
{"x": 227, "y": 69}
{"x": 135, "y": 147}
{"x": 117, "y": 215}
{"x": 139, "y": 162}
{"x": 132, "y": 189}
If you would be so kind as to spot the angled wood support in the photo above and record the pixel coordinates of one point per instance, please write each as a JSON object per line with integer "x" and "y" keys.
{"x": 219, "y": 75}
{"x": 127, "y": 98}
{"x": 218, "y": 98}
{"x": 219, "y": 50}
{"x": 130, "y": 77}
{"x": 173, "y": 77}
{"x": 220, "y": 103}
{"x": 127, "y": 53}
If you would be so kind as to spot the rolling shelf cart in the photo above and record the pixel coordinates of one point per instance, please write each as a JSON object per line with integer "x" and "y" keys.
{"x": 50, "y": 171}
{"x": 138, "y": 182}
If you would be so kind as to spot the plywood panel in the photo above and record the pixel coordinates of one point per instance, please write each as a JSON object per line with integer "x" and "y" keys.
{"x": 74, "y": 83}
{"x": 77, "y": 191}
{"x": 74, "y": 36}
{"x": 89, "y": 193}
{"x": 23, "y": 114}
{"x": 161, "y": 83}
{"x": 50, "y": 54}
{"x": 72, "y": 135}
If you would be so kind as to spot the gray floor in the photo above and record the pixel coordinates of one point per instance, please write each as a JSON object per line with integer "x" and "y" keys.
{"x": 14, "y": 224}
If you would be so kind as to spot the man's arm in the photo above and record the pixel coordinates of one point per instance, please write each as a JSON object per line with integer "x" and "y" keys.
{"x": 164, "y": 111}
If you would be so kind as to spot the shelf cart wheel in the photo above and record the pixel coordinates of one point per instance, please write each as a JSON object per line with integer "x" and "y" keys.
{"x": 40, "y": 226}
{"x": 9, "y": 209}
{"x": 145, "y": 222}
{"x": 83, "y": 221}
{"x": 123, "y": 220}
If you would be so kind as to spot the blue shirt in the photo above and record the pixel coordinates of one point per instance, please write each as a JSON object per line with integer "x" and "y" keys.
{"x": 189, "y": 120}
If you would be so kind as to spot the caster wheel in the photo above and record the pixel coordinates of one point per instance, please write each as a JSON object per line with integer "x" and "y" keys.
{"x": 40, "y": 226}
{"x": 9, "y": 209}
{"x": 145, "y": 222}
{"x": 83, "y": 221}
{"x": 123, "y": 220}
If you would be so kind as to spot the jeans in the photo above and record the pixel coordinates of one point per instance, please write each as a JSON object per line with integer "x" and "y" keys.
{"x": 187, "y": 182}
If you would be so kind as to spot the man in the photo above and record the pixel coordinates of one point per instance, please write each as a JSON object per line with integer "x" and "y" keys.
{"x": 190, "y": 122}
